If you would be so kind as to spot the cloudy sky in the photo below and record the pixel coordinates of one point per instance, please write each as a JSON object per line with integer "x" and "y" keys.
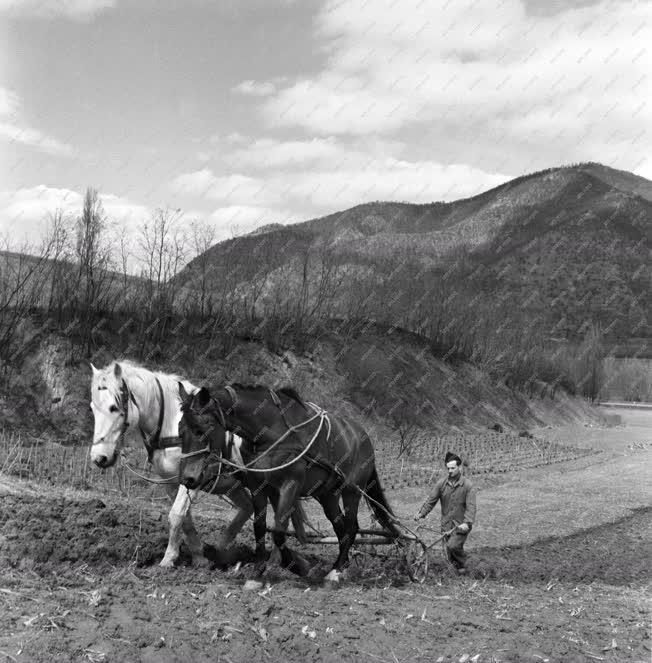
{"x": 248, "y": 112}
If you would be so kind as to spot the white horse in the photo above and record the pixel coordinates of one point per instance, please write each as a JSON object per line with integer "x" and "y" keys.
{"x": 125, "y": 395}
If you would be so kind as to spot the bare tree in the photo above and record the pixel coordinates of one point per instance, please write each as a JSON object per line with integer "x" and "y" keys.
{"x": 163, "y": 246}
{"x": 203, "y": 237}
{"x": 590, "y": 356}
{"x": 23, "y": 277}
{"x": 62, "y": 273}
{"x": 94, "y": 264}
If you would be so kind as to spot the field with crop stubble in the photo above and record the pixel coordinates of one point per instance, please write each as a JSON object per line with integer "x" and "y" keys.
{"x": 558, "y": 569}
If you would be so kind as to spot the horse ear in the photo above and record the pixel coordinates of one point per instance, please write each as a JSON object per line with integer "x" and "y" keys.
{"x": 117, "y": 371}
{"x": 183, "y": 394}
{"x": 95, "y": 371}
{"x": 203, "y": 397}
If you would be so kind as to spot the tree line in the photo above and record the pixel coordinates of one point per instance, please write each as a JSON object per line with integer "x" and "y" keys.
{"x": 282, "y": 288}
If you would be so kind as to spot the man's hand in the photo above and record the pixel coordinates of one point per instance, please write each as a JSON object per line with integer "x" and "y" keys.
{"x": 463, "y": 528}
{"x": 417, "y": 516}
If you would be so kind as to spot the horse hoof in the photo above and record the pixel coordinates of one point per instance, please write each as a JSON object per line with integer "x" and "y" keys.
{"x": 334, "y": 577}
{"x": 166, "y": 563}
{"x": 300, "y": 565}
{"x": 252, "y": 585}
{"x": 275, "y": 557}
{"x": 200, "y": 562}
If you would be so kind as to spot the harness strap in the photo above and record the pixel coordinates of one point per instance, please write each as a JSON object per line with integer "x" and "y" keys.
{"x": 322, "y": 414}
{"x": 154, "y": 442}
{"x": 275, "y": 399}
{"x": 169, "y": 442}
{"x": 232, "y": 393}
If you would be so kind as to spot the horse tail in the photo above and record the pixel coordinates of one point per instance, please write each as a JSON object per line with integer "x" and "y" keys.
{"x": 299, "y": 520}
{"x": 378, "y": 503}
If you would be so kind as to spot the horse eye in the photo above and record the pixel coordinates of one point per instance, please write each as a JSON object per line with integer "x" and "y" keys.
{"x": 113, "y": 408}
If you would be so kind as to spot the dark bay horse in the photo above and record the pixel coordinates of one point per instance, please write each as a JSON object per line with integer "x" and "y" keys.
{"x": 289, "y": 449}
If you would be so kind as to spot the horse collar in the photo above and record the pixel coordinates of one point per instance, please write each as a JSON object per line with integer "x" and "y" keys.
{"x": 153, "y": 442}
{"x": 232, "y": 393}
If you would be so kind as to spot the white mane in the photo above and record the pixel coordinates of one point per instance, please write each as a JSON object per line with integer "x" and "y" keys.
{"x": 142, "y": 382}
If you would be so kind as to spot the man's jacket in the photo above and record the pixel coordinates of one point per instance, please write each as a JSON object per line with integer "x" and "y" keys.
{"x": 457, "y": 502}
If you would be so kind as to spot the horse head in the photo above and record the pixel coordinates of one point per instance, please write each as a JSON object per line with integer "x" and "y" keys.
{"x": 203, "y": 435}
{"x": 113, "y": 410}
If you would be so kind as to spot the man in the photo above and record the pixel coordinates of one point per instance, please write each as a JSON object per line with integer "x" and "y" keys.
{"x": 457, "y": 495}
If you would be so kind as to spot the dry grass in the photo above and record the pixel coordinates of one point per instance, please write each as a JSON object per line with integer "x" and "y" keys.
{"x": 483, "y": 454}
{"x": 52, "y": 463}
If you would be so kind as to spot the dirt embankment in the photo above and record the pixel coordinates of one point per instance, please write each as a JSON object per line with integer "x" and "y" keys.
{"x": 386, "y": 381}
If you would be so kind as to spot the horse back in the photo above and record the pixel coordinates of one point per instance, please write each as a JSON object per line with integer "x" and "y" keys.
{"x": 348, "y": 446}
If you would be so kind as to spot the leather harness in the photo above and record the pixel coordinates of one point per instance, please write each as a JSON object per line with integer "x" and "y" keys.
{"x": 154, "y": 441}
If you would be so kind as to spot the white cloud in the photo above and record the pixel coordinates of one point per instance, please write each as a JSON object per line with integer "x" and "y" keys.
{"x": 271, "y": 153}
{"x": 255, "y": 88}
{"x": 355, "y": 178}
{"x": 34, "y": 138}
{"x": 123, "y": 211}
{"x": 77, "y": 10}
{"x": 33, "y": 204}
{"x": 236, "y": 189}
{"x": 24, "y": 212}
{"x": 12, "y": 129}
{"x": 197, "y": 183}
{"x": 9, "y": 102}
{"x": 387, "y": 180}
{"x": 475, "y": 68}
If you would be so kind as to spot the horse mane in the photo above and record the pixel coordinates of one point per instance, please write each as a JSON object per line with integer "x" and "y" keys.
{"x": 292, "y": 393}
{"x": 287, "y": 390}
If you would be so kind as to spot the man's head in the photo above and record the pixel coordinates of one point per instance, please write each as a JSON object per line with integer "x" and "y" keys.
{"x": 453, "y": 465}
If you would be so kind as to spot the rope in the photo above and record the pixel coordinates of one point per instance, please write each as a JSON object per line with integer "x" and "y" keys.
{"x": 247, "y": 468}
{"x": 209, "y": 492}
{"x": 142, "y": 476}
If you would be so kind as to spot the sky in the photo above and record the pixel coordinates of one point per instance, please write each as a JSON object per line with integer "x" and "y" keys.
{"x": 242, "y": 113}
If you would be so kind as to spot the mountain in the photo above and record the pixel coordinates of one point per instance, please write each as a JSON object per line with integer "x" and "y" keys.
{"x": 566, "y": 248}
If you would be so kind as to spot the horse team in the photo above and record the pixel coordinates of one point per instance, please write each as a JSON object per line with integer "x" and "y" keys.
{"x": 250, "y": 443}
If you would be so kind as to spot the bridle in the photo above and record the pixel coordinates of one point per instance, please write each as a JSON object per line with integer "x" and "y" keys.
{"x": 153, "y": 442}
{"x": 208, "y": 449}
{"x": 126, "y": 397}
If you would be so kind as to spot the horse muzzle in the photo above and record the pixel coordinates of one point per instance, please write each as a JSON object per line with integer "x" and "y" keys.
{"x": 105, "y": 462}
{"x": 191, "y": 482}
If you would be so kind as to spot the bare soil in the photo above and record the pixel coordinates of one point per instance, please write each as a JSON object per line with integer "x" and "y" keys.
{"x": 80, "y": 580}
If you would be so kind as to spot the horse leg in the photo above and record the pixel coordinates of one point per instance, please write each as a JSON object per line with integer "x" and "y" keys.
{"x": 193, "y": 541}
{"x": 298, "y": 520}
{"x": 237, "y": 493}
{"x": 275, "y": 555}
{"x": 346, "y": 533}
{"x": 260, "y": 525}
{"x": 286, "y": 500}
{"x": 181, "y": 524}
{"x": 331, "y": 505}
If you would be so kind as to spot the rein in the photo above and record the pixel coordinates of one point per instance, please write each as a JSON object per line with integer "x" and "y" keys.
{"x": 319, "y": 413}
{"x": 125, "y": 464}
